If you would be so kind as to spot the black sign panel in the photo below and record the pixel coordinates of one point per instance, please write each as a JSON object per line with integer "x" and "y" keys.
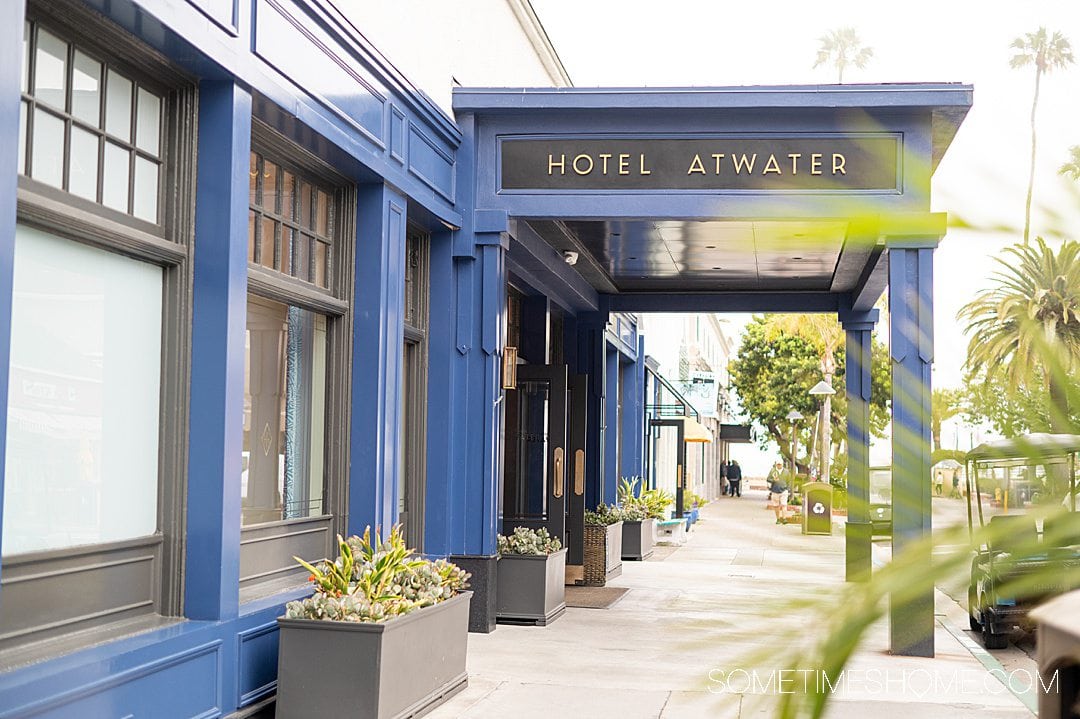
{"x": 840, "y": 163}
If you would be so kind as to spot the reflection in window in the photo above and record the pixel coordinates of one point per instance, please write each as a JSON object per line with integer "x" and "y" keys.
{"x": 84, "y": 387}
{"x": 284, "y": 413}
{"x": 527, "y": 450}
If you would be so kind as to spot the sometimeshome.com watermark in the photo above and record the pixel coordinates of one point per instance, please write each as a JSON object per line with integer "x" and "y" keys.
{"x": 908, "y": 682}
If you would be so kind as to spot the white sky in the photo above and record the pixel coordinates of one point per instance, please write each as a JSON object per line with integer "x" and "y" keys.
{"x": 984, "y": 174}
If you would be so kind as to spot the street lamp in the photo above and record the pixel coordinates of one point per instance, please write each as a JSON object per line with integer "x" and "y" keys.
{"x": 793, "y": 416}
{"x": 825, "y": 391}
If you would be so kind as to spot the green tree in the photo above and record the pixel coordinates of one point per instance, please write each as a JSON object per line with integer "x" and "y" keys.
{"x": 1046, "y": 53}
{"x": 842, "y": 47}
{"x": 1025, "y": 330}
{"x": 1071, "y": 169}
{"x": 944, "y": 405}
{"x": 1014, "y": 411}
{"x": 773, "y": 371}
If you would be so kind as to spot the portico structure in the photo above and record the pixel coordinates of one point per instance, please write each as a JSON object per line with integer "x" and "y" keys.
{"x": 745, "y": 199}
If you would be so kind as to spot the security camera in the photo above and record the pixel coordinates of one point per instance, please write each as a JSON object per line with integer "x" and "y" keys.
{"x": 570, "y": 257}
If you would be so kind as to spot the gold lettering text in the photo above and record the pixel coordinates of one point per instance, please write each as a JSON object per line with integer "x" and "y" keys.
{"x": 838, "y": 161}
{"x": 587, "y": 169}
{"x": 815, "y": 163}
{"x": 742, "y": 162}
{"x": 794, "y": 162}
{"x": 604, "y": 157}
{"x": 718, "y": 156}
{"x": 561, "y": 164}
{"x": 696, "y": 166}
{"x": 624, "y": 164}
{"x": 641, "y": 164}
{"x": 771, "y": 166}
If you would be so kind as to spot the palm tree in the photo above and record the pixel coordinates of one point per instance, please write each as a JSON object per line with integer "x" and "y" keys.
{"x": 842, "y": 46}
{"x": 1026, "y": 329}
{"x": 1046, "y": 53}
{"x": 1071, "y": 169}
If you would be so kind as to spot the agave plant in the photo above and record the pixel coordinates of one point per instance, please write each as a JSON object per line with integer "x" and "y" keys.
{"x": 372, "y": 580}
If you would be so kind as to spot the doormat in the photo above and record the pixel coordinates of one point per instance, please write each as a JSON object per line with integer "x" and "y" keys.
{"x": 594, "y": 597}
{"x": 662, "y": 552}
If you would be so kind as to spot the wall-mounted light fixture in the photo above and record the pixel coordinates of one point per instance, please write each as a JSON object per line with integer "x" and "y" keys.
{"x": 509, "y": 368}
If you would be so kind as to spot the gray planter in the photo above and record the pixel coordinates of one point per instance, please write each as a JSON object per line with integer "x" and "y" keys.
{"x": 531, "y": 588}
{"x": 399, "y": 668}
{"x": 638, "y": 539}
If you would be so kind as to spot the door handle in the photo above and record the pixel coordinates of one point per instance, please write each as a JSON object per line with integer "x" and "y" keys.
{"x": 557, "y": 484}
{"x": 678, "y": 476}
{"x": 579, "y": 472}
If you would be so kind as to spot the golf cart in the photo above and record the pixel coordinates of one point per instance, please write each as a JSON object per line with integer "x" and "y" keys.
{"x": 1013, "y": 486}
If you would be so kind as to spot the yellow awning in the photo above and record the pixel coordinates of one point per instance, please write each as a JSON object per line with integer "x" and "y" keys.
{"x": 694, "y": 431}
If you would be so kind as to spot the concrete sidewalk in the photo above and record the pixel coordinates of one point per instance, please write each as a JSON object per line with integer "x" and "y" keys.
{"x": 677, "y": 644}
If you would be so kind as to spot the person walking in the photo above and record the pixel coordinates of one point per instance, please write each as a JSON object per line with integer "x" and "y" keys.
{"x": 735, "y": 478}
{"x": 955, "y": 484}
{"x": 723, "y": 478}
{"x": 778, "y": 494}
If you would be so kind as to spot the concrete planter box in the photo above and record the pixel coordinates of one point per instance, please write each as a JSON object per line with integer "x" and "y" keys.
{"x": 603, "y": 553}
{"x": 399, "y": 668}
{"x": 638, "y": 539}
{"x": 531, "y": 589}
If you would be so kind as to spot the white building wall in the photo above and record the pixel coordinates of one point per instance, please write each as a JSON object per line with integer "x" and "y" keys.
{"x": 475, "y": 42}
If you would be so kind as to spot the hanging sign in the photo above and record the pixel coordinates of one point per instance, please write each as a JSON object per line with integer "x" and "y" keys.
{"x": 765, "y": 163}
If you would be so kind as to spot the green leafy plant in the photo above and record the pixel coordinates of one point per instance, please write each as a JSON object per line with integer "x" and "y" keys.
{"x": 604, "y": 515}
{"x": 372, "y": 580}
{"x": 639, "y": 505}
{"x": 656, "y": 503}
{"x": 692, "y": 499}
{"x": 528, "y": 541}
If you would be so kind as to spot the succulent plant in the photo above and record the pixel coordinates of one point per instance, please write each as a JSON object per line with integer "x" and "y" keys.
{"x": 373, "y": 580}
{"x": 529, "y": 541}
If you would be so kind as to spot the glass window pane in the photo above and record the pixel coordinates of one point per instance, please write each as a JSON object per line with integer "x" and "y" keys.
{"x": 269, "y": 186}
{"x": 50, "y": 70}
{"x": 118, "y": 106}
{"x": 48, "y": 147}
{"x": 288, "y": 184}
{"x": 322, "y": 254}
{"x": 148, "y": 116}
{"x": 83, "y": 168}
{"x": 83, "y": 410}
{"x": 306, "y": 220}
{"x": 253, "y": 173}
{"x": 303, "y": 256}
{"x": 251, "y": 236}
{"x": 23, "y": 109}
{"x": 322, "y": 214}
{"x": 284, "y": 413}
{"x": 286, "y": 254}
{"x": 117, "y": 179}
{"x": 86, "y": 89}
{"x": 146, "y": 190}
{"x": 267, "y": 252}
{"x": 25, "y": 84}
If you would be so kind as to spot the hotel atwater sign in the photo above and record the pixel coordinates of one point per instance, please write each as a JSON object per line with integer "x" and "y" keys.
{"x": 759, "y": 163}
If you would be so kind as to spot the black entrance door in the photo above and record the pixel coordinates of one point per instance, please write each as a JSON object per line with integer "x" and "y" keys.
{"x": 674, "y": 425}
{"x": 575, "y": 492}
{"x": 534, "y": 489}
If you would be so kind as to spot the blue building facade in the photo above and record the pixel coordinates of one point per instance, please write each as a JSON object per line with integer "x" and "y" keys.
{"x": 257, "y": 290}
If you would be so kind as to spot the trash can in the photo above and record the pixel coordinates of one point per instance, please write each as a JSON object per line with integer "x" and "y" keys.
{"x": 817, "y": 508}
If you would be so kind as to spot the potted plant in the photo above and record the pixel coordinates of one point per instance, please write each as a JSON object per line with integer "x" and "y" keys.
{"x": 640, "y": 512}
{"x": 353, "y": 648}
{"x": 530, "y": 578}
{"x": 603, "y": 545}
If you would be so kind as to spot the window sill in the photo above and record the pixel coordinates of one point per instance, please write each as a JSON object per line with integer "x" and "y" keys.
{"x": 55, "y": 647}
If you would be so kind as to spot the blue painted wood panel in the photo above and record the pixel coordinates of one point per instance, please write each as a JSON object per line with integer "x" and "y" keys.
{"x": 256, "y": 672}
{"x": 223, "y": 12}
{"x": 304, "y": 53}
{"x": 433, "y": 165}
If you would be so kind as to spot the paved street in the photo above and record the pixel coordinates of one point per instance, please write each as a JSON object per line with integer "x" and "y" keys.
{"x": 686, "y": 640}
